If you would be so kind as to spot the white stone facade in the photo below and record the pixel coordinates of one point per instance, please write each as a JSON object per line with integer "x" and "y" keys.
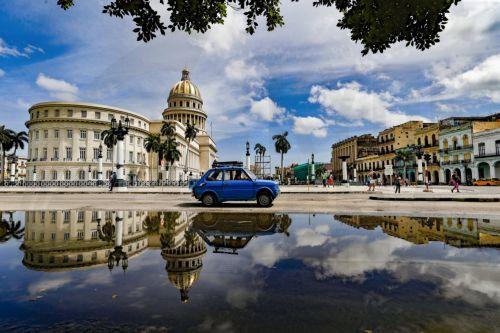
{"x": 487, "y": 154}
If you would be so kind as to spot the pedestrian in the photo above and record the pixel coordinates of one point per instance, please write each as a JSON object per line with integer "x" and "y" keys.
{"x": 330, "y": 181}
{"x": 325, "y": 178}
{"x": 398, "y": 182}
{"x": 427, "y": 179}
{"x": 455, "y": 182}
{"x": 112, "y": 180}
{"x": 373, "y": 180}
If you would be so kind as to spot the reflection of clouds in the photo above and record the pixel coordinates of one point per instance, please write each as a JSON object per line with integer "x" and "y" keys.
{"x": 239, "y": 297}
{"x": 266, "y": 254}
{"x": 356, "y": 258}
{"x": 100, "y": 277}
{"x": 312, "y": 237}
{"x": 47, "y": 284}
{"x": 210, "y": 325}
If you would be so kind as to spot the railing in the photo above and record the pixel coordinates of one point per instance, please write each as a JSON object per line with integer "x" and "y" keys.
{"x": 487, "y": 155}
{"x": 91, "y": 183}
{"x": 446, "y": 150}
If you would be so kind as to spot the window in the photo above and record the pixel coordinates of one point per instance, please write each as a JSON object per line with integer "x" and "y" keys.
{"x": 132, "y": 121}
{"x": 131, "y": 139}
{"x": 66, "y": 258}
{"x": 44, "y": 155}
{"x": 53, "y": 217}
{"x": 46, "y": 113}
{"x": 69, "y": 153}
{"x": 70, "y": 113}
{"x": 131, "y": 157}
{"x": 54, "y": 175}
{"x": 67, "y": 216}
{"x": 42, "y": 218}
{"x": 37, "y": 135}
{"x": 67, "y": 175}
{"x": 79, "y": 258}
{"x": 497, "y": 147}
{"x": 216, "y": 175}
{"x": 45, "y": 134}
{"x": 139, "y": 158}
{"x": 56, "y": 134}
{"x": 94, "y": 216}
{"x": 97, "y": 135}
{"x": 110, "y": 116}
{"x": 94, "y": 174}
{"x": 482, "y": 149}
{"x": 42, "y": 236}
{"x": 109, "y": 154}
{"x": 42, "y": 175}
{"x": 81, "y": 216}
{"x": 96, "y": 153}
{"x": 57, "y": 113}
{"x": 84, "y": 114}
{"x": 66, "y": 237}
{"x": 38, "y": 114}
{"x": 56, "y": 154}
{"x": 83, "y": 154}
{"x": 69, "y": 134}
{"x": 139, "y": 141}
{"x": 53, "y": 236}
{"x": 81, "y": 175}
{"x": 97, "y": 115}
{"x": 83, "y": 134}
{"x": 94, "y": 254}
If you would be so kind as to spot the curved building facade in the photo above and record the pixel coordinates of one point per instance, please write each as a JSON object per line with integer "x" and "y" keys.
{"x": 64, "y": 139}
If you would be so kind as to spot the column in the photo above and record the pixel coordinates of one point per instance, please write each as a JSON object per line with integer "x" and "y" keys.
{"x": 475, "y": 172}
{"x": 121, "y": 183}
{"x": 492, "y": 170}
{"x": 355, "y": 174}
{"x": 442, "y": 179}
{"x": 34, "y": 174}
{"x": 13, "y": 170}
{"x": 344, "y": 170}
{"x": 119, "y": 228}
{"x": 419, "y": 170}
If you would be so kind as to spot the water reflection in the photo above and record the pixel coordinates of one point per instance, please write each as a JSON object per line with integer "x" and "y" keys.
{"x": 10, "y": 229}
{"x": 457, "y": 232}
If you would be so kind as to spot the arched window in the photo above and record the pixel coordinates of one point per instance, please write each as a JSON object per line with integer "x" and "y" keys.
{"x": 433, "y": 139}
{"x": 455, "y": 143}
{"x": 426, "y": 141}
{"x": 180, "y": 103}
{"x": 419, "y": 142}
{"x": 465, "y": 139}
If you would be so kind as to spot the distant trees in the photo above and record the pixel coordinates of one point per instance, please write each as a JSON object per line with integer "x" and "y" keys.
{"x": 9, "y": 140}
{"x": 282, "y": 147}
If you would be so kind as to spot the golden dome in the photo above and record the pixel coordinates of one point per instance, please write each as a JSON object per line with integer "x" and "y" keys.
{"x": 185, "y": 88}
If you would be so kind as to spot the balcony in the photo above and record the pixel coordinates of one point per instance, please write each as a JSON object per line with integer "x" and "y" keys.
{"x": 53, "y": 159}
{"x": 456, "y": 148}
{"x": 484, "y": 155}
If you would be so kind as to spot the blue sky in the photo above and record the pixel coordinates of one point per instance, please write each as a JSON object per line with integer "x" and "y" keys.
{"x": 307, "y": 78}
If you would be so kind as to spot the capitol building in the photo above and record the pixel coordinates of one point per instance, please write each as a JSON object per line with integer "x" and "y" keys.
{"x": 65, "y": 139}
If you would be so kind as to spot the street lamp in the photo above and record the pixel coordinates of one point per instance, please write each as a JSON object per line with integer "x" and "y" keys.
{"x": 99, "y": 166}
{"x": 247, "y": 161}
{"x": 313, "y": 173}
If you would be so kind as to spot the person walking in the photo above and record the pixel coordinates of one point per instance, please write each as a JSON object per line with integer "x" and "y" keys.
{"x": 455, "y": 182}
{"x": 325, "y": 178}
{"x": 397, "y": 184}
{"x": 330, "y": 182}
{"x": 112, "y": 180}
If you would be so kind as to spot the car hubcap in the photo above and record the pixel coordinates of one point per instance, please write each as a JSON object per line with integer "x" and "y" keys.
{"x": 264, "y": 200}
{"x": 209, "y": 200}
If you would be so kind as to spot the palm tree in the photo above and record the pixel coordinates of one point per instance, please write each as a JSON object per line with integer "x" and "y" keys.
{"x": 259, "y": 149}
{"x": 151, "y": 225}
{"x": 110, "y": 140}
{"x": 319, "y": 171}
{"x": 190, "y": 134}
{"x": 169, "y": 150}
{"x": 152, "y": 143}
{"x": 282, "y": 147}
{"x": 6, "y": 144}
{"x": 167, "y": 129}
{"x": 10, "y": 229}
{"x": 405, "y": 156}
{"x": 18, "y": 140}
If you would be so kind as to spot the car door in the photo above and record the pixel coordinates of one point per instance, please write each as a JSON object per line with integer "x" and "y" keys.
{"x": 214, "y": 183}
{"x": 238, "y": 185}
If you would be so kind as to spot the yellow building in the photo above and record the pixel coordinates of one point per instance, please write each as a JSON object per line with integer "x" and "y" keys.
{"x": 427, "y": 137}
{"x": 351, "y": 149}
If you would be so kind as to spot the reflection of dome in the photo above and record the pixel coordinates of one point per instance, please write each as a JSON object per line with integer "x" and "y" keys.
{"x": 184, "y": 265}
{"x": 185, "y": 88}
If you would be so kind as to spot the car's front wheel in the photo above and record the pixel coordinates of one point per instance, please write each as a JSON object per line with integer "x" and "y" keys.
{"x": 208, "y": 200}
{"x": 264, "y": 199}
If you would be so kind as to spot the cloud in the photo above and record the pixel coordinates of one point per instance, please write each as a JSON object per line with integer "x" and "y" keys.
{"x": 48, "y": 284}
{"x": 2, "y": 72}
{"x": 57, "y": 88}
{"x": 29, "y": 49}
{"x": 310, "y": 126}
{"x": 353, "y": 103}
{"x": 266, "y": 109}
{"x": 12, "y": 51}
{"x": 483, "y": 80}
{"x": 239, "y": 70}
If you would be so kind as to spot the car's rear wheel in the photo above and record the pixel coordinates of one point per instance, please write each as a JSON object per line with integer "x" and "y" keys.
{"x": 264, "y": 199}
{"x": 208, "y": 199}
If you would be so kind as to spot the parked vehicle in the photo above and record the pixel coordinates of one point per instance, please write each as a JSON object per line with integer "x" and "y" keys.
{"x": 234, "y": 183}
{"x": 487, "y": 182}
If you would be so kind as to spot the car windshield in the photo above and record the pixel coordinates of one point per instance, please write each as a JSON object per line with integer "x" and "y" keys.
{"x": 250, "y": 174}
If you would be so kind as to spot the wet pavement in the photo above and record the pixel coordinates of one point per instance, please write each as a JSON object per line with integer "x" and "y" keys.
{"x": 185, "y": 271}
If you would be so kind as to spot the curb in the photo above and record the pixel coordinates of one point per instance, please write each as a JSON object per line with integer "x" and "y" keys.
{"x": 436, "y": 199}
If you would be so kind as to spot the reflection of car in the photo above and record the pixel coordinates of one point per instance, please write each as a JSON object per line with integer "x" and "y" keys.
{"x": 234, "y": 183}
{"x": 229, "y": 232}
{"x": 487, "y": 182}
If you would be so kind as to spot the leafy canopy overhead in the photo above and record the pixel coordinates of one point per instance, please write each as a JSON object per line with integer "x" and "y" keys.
{"x": 376, "y": 24}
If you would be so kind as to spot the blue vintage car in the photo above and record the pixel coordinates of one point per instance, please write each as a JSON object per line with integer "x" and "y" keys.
{"x": 234, "y": 183}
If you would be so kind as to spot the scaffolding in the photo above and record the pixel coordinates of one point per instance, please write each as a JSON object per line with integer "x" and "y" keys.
{"x": 262, "y": 166}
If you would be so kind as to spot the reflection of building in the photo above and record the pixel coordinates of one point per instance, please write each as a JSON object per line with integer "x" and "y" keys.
{"x": 458, "y": 232}
{"x": 229, "y": 232}
{"x": 68, "y": 239}
{"x": 64, "y": 138}
{"x": 183, "y": 251}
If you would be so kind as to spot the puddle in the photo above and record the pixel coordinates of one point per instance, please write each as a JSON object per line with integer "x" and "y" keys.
{"x": 232, "y": 272}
